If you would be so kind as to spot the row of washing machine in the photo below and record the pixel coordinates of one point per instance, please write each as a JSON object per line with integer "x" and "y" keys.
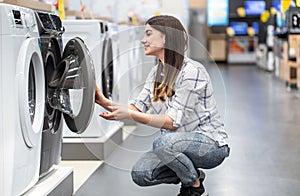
{"x": 49, "y": 70}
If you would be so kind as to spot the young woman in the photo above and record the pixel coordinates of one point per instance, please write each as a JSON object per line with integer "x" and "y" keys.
{"x": 193, "y": 136}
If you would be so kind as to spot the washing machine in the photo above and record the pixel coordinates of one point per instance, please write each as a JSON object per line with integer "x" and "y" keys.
{"x": 95, "y": 36}
{"x": 139, "y": 63}
{"x": 135, "y": 65}
{"x": 70, "y": 87}
{"x": 111, "y": 61}
{"x": 131, "y": 61}
{"x": 22, "y": 94}
{"x": 125, "y": 75}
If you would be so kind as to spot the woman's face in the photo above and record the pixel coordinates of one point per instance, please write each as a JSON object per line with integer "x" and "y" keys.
{"x": 153, "y": 42}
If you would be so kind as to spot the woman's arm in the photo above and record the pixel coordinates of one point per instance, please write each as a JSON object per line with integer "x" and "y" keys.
{"x": 120, "y": 112}
{"x": 154, "y": 120}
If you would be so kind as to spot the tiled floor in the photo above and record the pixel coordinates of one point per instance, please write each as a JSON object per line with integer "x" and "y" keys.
{"x": 263, "y": 122}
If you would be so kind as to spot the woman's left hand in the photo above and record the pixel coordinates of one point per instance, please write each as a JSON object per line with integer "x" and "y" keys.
{"x": 118, "y": 112}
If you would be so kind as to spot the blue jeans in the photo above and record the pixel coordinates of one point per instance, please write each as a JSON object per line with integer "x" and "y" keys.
{"x": 175, "y": 158}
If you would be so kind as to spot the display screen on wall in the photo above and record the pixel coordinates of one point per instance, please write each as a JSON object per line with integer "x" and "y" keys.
{"x": 240, "y": 28}
{"x": 280, "y": 20}
{"x": 255, "y": 7}
{"x": 277, "y": 5}
{"x": 255, "y": 26}
{"x": 217, "y": 12}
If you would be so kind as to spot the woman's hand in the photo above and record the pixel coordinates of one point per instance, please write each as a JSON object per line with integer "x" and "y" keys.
{"x": 99, "y": 97}
{"x": 118, "y": 112}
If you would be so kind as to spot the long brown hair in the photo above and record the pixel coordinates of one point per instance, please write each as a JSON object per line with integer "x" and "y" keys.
{"x": 174, "y": 48}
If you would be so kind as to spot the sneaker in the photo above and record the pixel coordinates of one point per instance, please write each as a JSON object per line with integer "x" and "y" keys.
{"x": 192, "y": 191}
{"x": 199, "y": 191}
{"x": 184, "y": 191}
{"x": 201, "y": 175}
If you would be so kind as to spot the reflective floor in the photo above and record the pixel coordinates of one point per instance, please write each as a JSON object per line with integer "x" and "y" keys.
{"x": 263, "y": 122}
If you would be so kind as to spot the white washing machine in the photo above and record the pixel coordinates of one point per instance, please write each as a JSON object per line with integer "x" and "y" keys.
{"x": 138, "y": 61}
{"x": 94, "y": 35}
{"x": 124, "y": 77}
{"x": 134, "y": 66}
{"x": 70, "y": 87}
{"x": 111, "y": 61}
{"x": 22, "y": 97}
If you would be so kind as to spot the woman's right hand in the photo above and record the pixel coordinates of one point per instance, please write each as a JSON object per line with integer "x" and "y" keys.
{"x": 99, "y": 97}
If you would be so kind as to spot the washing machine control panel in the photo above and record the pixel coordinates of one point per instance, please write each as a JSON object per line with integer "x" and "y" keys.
{"x": 22, "y": 19}
{"x": 17, "y": 18}
{"x": 49, "y": 23}
{"x": 46, "y": 21}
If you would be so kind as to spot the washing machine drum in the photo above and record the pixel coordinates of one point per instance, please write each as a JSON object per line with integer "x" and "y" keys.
{"x": 71, "y": 89}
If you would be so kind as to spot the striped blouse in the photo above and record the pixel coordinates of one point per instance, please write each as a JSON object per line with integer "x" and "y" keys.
{"x": 192, "y": 107}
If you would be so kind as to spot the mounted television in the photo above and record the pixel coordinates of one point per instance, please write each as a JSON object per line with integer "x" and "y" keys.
{"x": 255, "y": 26}
{"x": 280, "y": 20}
{"x": 277, "y": 5}
{"x": 255, "y": 7}
{"x": 240, "y": 28}
{"x": 217, "y": 12}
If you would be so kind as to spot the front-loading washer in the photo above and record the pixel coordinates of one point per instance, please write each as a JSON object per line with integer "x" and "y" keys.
{"x": 124, "y": 75}
{"x": 140, "y": 64}
{"x": 22, "y": 94}
{"x": 110, "y": 61}
{"x": 134, "y": 66}
{"x": 94, "y": 34}
{"x": 70, "y": 87}
{"x": 130, "y": 71}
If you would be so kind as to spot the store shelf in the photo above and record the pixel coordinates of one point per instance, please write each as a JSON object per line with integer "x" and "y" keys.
{"x": 197, "y": 4}
{"x": 73, "y": 14}
{"x": 217, "y": 46}
{"x": 241, "y": 49}
{"x": 36, "y": 5}
{"x": 289, "y": 67}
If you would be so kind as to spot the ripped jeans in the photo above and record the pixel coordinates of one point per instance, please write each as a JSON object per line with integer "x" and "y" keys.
{"x": 175, "y": 158}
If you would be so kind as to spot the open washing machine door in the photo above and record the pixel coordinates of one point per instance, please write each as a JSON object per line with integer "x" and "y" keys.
{"x": 72, "y": 86}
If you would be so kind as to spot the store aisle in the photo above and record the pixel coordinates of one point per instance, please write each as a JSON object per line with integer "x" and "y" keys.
{"x": 263, "y": 124}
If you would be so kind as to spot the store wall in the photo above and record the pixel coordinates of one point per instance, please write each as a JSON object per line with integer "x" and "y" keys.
{"x": 117, "y": 10}
{"x": 179, "y": 8}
